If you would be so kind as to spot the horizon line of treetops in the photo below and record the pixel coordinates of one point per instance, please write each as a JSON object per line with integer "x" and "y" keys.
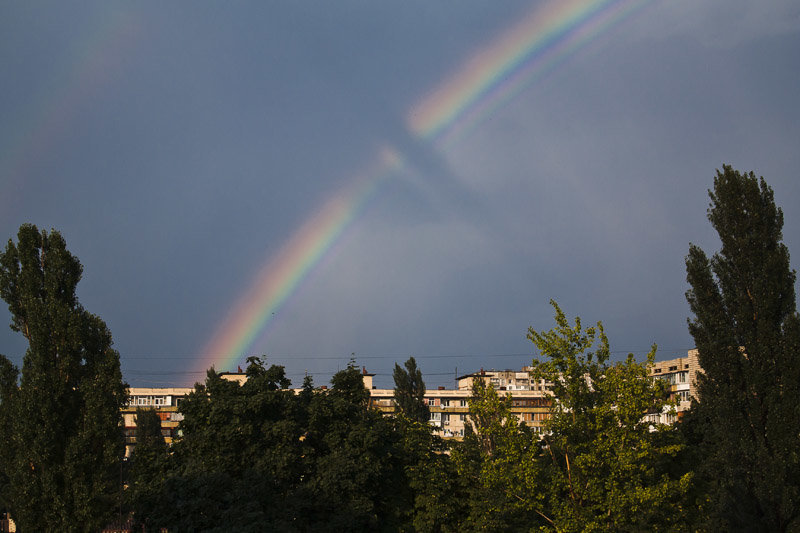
{"x": 255, "y": 456}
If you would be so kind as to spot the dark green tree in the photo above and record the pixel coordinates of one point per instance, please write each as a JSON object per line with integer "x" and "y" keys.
{"x": 64, "y": 443}
{"x": 434, "y": 500}
{"x": 357, "y": 479}
{"x": 8, "y": 387}
{"x": 747, "y": 331}
{"x": 147, "y": 468}
{"x": 239, "y": 461}
{"x": 409, "y": 392}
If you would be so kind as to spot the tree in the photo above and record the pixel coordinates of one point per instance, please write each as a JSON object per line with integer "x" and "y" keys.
{"x": 148, "y": 467}
{"x": 497, "y": 466}
{"x": 433, "y": 501}
{"x": 409, "y": 392}
{"x": 240, "y": 458}
{"x": 356, "y": 479}
{"x": 605, "y": 468}
{"x": 63, "y": 418}
{"x": 8, "y": 387}
{"x": 747, "y": 332}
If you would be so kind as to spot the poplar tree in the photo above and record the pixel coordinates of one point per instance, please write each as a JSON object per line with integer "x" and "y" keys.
{"x": 62, "y": 438}
{"x": 747, "y": 332}
{"x": 409, "y": 392}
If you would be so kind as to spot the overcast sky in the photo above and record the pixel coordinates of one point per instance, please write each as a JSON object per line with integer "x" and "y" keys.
{"x": 179, "y": 146}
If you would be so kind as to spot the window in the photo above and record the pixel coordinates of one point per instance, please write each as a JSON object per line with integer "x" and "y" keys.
{"x": 445, "y": 403}
{"x": 430, "y": 402}
{"x": 463, "y": 403}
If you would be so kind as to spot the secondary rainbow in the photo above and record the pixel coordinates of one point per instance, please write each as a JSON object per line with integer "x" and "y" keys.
{"x": 78, "y": 79}
{"x": 542, "y": 39}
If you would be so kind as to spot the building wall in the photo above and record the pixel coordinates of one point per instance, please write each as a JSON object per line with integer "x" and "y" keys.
{"x": 449, "y": 408}
{"x": 164, "y": 401}
{"x": 681, "y": 375}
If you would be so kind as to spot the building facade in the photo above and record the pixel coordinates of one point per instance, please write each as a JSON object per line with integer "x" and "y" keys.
{"x": 681, "y": 377}
{"x": 449, "y": 408}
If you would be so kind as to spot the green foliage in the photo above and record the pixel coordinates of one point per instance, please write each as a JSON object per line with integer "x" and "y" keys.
{"x": 409, "y": 392}
{"x": 747, "y": 331}
{"x": 348, "y": 386}
{"x": 147, "y": 467}
{"x": 439, "y": 499}
{"x": 604, "y": 467}
{"x": 261, "y": 457}
{"x": 497, "y": 466}
{"x": 8, "y": 387}
{"x": 357, "y": 478}
{"x": 62, "y": 444}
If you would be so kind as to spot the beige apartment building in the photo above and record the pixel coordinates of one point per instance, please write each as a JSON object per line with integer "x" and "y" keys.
{"x": 164, "y": 401}
{"x": 449, "y": 409}
{"x": 681, "y": 376}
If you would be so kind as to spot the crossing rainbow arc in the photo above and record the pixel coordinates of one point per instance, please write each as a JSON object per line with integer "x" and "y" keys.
{"x": 544, "y": 38}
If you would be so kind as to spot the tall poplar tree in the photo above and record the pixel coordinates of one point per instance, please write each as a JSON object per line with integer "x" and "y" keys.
{"x": 409, "y": 391}
{"x": 747, "y": 331}
{"x": 62, "y": 435}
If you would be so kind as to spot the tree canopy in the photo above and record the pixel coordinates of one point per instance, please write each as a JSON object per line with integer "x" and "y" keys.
{"x": 604, "y": 467}
{"x": 409, "y": 391}
{"x": 256, "y": 455}
{"x": 61, "y": 423}
{"x": 747, "y": 332}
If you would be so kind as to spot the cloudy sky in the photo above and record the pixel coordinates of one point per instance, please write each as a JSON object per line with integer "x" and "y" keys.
{"x": 247, "y": 178}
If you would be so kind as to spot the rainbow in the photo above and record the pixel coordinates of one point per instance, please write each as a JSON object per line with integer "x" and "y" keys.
{"x": 523, "y": 54}
{"x": 76, "y": 82}
{"x": 279, "y": 278}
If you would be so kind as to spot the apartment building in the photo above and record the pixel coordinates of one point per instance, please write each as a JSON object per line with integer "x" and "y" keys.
{"x": 681, "y": 376}
{"x": 166, "y": 402}
{"x": 449, "y": 409}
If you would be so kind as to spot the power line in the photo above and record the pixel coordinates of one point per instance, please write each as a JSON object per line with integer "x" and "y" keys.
{"x": 375, "y": 356}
